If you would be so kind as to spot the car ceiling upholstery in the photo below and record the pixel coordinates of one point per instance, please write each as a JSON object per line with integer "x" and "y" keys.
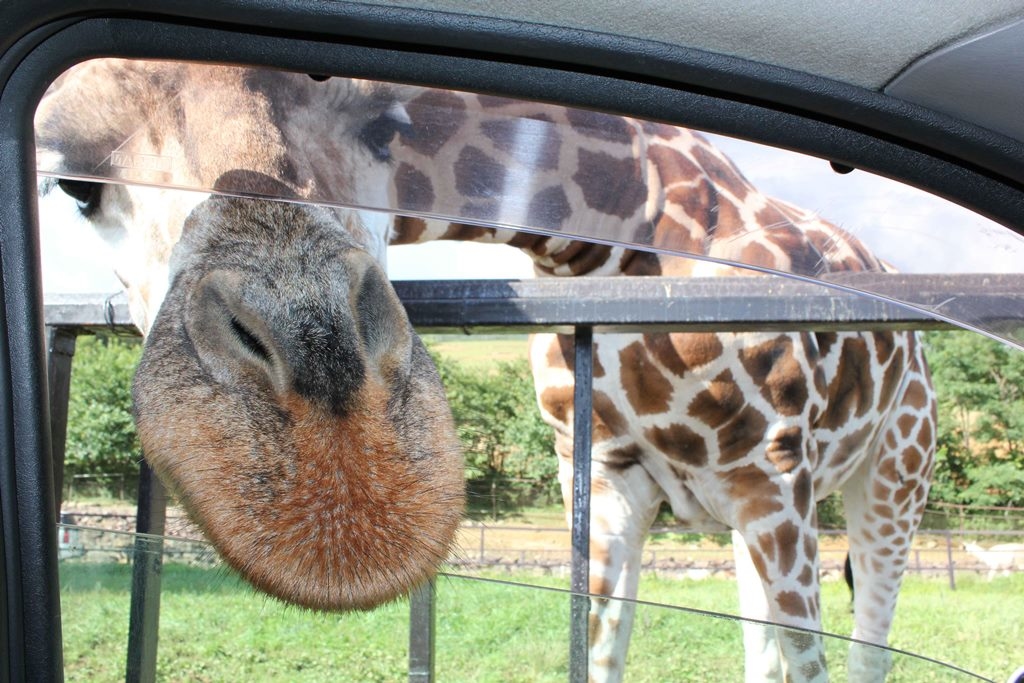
{"x": 879, "y": 45}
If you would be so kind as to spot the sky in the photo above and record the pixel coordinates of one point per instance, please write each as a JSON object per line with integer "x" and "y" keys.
{"x": 914, "y": 231}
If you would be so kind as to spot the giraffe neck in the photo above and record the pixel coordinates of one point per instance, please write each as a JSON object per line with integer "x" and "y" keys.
{"x": 601, "y": 177}
{"x": 552, "y": 256}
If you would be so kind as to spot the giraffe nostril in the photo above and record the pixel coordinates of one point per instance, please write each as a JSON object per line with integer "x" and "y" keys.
{"x": 249, "y": 340}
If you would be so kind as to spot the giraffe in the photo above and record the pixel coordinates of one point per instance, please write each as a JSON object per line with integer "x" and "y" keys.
{"x": 740, "y": 432}
{"x": 282, "y": 393}
{"x": 734, "y": 431}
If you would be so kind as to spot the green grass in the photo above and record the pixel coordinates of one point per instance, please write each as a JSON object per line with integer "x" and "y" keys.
{"x": 214, "y": 628}
{"x": 480, "y": 353}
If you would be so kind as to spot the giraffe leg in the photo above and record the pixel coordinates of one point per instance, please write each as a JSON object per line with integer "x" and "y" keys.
{"x": 882, "y": 515}
{"x": 760, "y": 642}
{"x": 783, "y": 551}
{"x": 624, "y": 503}
{"x": 792, "y": 601}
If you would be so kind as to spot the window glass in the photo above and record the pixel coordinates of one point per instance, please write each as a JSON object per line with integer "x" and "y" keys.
{"x": 499, "y": 163}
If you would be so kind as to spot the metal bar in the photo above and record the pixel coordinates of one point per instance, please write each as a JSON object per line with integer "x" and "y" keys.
{"x": 581, "y": 441}
{"x": 147, "y": 559}
{"x": 650, "y": 304}
{"x": 727, "y": 304}
{"x": 422, "y": 620}
{"x": 60, "y": 350}
{"x": 90, "y": 311}
{"x": 949, "y": 561}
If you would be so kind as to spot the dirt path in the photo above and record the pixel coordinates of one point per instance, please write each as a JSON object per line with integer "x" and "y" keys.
{"x": 542, "y": 541}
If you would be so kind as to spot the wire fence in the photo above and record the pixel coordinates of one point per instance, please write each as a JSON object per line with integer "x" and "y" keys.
{"x": 669, "y": 552}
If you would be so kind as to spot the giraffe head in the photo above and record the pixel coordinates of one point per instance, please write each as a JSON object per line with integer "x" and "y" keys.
{"x": 164, "y": 125}
{"x": 284, "y": 395}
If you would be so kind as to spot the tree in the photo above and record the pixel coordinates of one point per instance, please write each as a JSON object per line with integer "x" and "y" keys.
{"x": 101, "y": 433}
{"x": 509, "y": 449}
{"x": 980, "y": 384}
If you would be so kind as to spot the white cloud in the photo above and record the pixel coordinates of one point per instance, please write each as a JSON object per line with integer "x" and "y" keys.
{"x": 914, "y": 230}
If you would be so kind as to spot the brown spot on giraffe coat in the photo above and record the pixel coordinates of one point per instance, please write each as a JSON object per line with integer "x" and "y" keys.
{"x": 756, "y": 254}
{"x": 608, "y": 421}
{"x": 580, "y": 257}
{"x": 728, "y": 220}
{"x": 721, "y": 399}
{"x": 438, "y": 116}
{"x": 549, "y": 208}
{"x": 408, "y": 230}
{"x": 640, "y": 263}
{"x": 802, "y": 256}
{"x": 885, "y": 344}
{"x": 414, "y": 191}
{"x": 803, "y": 493}
{"x": 671, "y": 235}
{"x": 891, "y": 378}
{"x": 600, "y": 126}
{"x": 478, "y": 175}
{"x": 787, "y": 535}
{"x": 465, "y": 232}
{"x": 741, "y": 434}
{"x": 851, "y": 390}
{"x": 610, "y": 185}
{"x": 917, "y": 396}
{"x": 680, "y": 353}
{"x": 792, "y": 603}
{"x": 679, "y": 443}
{"x": 561, "y": 353}
{"x": 759, "y": 496}
{"x": 558, "y": 401}
{"x": 774, "y": 368}
{"x": 721, "y": 173}
{"x": 648, "y": 391}
{"x": 623, "y": 458}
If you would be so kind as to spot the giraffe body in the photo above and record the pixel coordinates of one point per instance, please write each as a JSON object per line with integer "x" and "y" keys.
{"x": 734, "y": 431}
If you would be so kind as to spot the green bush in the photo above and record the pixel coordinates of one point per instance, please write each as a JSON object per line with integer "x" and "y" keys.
{"x": 509, "y": 450}
{"x": 510, "y": 459}
{"x": 101, "y": 441}
{"x": 980, "y": 385}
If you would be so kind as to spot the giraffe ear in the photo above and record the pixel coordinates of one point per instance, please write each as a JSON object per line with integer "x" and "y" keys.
{"x": 383, "y": 325}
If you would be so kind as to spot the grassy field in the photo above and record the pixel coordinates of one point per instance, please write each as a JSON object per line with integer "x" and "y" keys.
{"x": 213, "y": 628}
{"x": 479, "y": 353}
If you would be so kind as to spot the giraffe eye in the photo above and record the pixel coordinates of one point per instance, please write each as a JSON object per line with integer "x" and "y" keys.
{"x": 379, "y": 132}
{"x": 86, "y": 194}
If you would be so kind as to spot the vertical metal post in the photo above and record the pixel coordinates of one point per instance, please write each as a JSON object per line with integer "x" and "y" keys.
{"x": 949, "y": 561}
{"x": 144, "y": 619}
{"x": 422, "y": 618}
{"x": 580, "y": 571}
{"x": 60, "y": 350}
